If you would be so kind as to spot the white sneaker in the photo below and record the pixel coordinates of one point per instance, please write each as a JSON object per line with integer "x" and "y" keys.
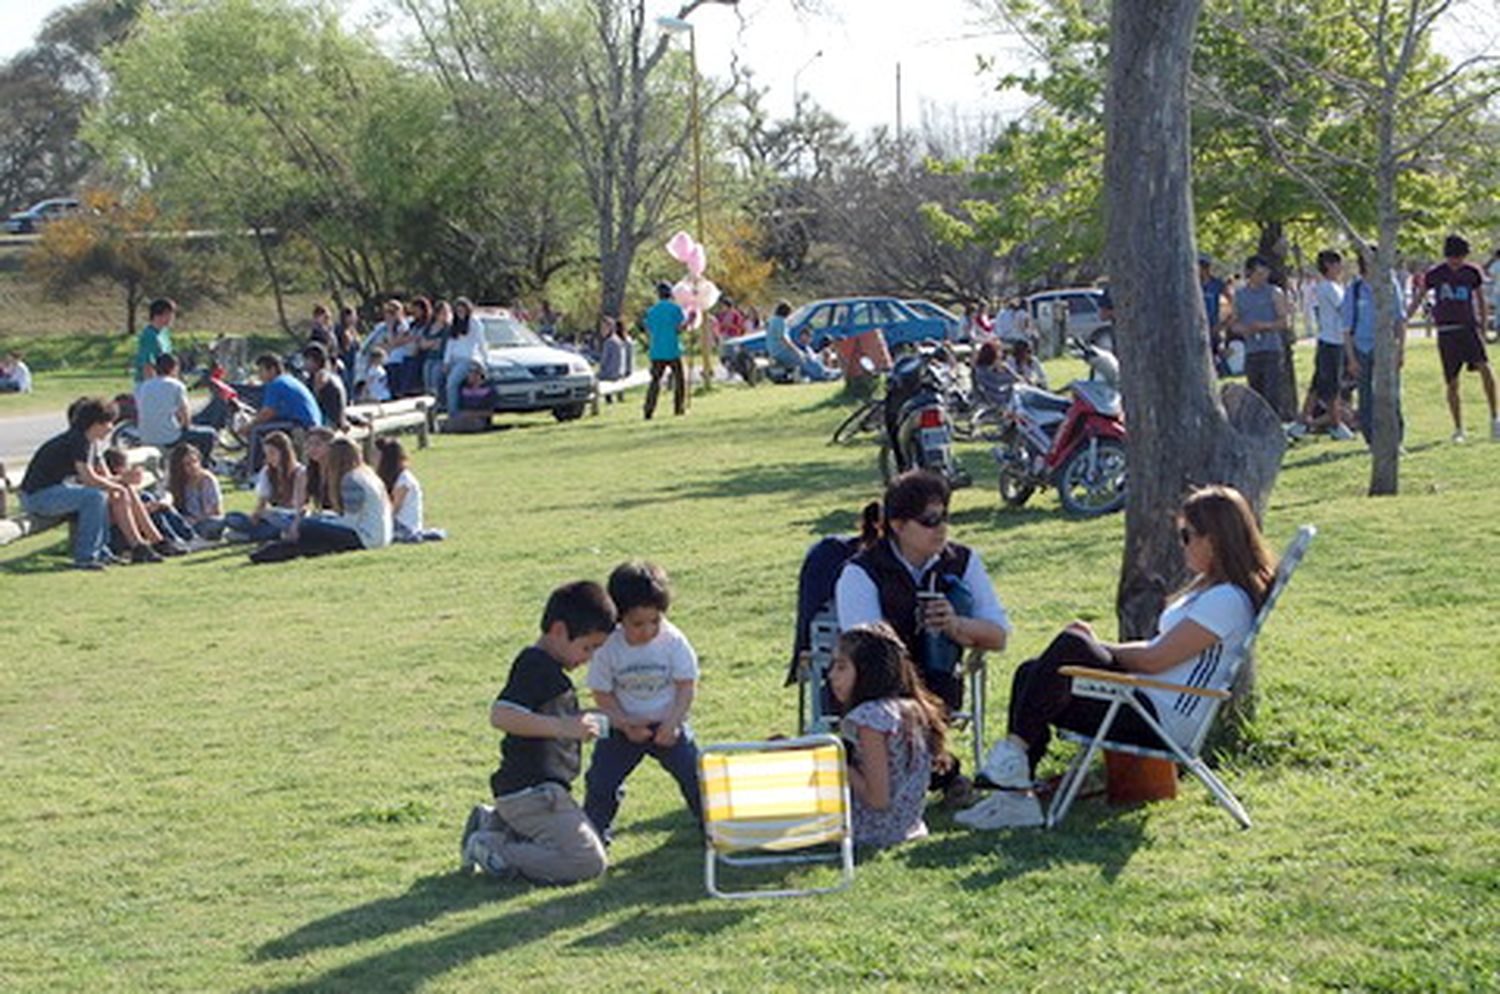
{"x": 479, "y": 853}
{"x": 1007, "y": 766}
{"x": 1296, "y": 429}
{"x": 481, "y": 819}
{"x": 1458, "y": 437}
{"x": 1003, "y": 810}
{"x": 1341, "y": 432}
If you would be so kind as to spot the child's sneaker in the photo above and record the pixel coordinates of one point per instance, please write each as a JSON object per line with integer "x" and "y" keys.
{"x": 1007, "y": 767}
{"x": 1458, "y": 437}
{"x": 481, "y": 819}
{"x": 1341, "y": 432}
{"x": 1004, "y": 810}
{"x": 479, "y": 853}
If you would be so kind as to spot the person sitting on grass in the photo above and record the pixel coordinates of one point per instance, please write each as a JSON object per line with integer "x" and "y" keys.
{"x": 534, "y": 829}
{"x": 1232, "y": 571}
{"x": 195, "y": 494}
{"x": 61, "y": 481}
{"x": 15, "y": 375}
{"x": 281, "y": 489}
{"x": 360, "y": 518}
{"x": 128, "y": 512}
{"x": 393, "y": 468}
{"x": 893, "y": 726}
{"x": 643, "y": 679}
{"x": 174, "y": 529}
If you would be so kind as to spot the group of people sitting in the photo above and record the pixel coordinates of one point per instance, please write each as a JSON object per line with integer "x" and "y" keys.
{"x": 908, "y": 601}
{"x": 418, "y": 347}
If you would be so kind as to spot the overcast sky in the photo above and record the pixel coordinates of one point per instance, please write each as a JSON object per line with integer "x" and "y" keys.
{"x": 937, "y": 43}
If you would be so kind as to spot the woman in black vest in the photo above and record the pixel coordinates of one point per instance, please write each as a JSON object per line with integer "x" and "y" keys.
{"x": 933, "y": 592}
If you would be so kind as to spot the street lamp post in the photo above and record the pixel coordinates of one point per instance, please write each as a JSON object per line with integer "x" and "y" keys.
{"x": 678, "y": 25}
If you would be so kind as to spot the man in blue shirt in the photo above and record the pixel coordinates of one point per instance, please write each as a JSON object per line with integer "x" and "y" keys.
{"x": 285, "y": 404}
{"x": 665, "y": 322}
{"x": 1359, "y": 320}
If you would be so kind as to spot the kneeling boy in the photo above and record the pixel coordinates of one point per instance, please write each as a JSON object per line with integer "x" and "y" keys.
{"x": 535, "y": 829}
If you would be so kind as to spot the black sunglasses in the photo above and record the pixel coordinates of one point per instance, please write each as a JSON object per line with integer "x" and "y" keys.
{"x": 932, "y": 518}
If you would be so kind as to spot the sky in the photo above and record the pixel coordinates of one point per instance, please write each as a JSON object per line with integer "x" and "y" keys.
{"x": 936, "y": 42}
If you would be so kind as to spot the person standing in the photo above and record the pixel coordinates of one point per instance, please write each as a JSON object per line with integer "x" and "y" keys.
{"x": 1214, "y": 290}
{"x": 1459, "y": 311}
{"x": 1327, "y": 301}
{"x": 156, "y": 338}
{"x": 665, "y": 322}
{"x": 1358, "y": 314}
{"x": 614, "y": 361}
{"x": 1260, "y": 315}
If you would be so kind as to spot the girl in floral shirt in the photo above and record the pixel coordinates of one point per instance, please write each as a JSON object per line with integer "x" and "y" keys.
{"x": 894, "y": 727}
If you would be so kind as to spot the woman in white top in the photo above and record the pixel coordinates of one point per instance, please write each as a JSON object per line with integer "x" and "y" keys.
{"x": 405, "y": 491}
{"x": 280, "y": 493}
{"x": 360, "y": 517}
{"x": 465, "y": 348}
{"x": 1232, "y": 573}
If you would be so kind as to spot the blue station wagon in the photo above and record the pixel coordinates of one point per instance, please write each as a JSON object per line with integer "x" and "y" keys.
{"x": 845, "y": 317}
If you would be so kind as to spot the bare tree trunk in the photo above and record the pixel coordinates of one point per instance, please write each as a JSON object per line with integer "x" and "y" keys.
{"x": 263, "y": 244}
{"x": 1181, "y": 434}
{"x": 1385, "y": 447}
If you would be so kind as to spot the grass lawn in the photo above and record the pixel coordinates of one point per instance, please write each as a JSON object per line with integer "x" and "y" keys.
{"x": 226, "y": 777}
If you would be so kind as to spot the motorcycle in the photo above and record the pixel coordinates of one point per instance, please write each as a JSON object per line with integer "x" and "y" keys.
{"x": 918, "y": 427}
{"x": 1075, "y": 443}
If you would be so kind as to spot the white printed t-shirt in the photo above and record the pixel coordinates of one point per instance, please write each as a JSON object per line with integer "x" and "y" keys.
{"x": 1328, "y": 311}
{"x": 409, "y": 514}
{"x": 644, "y": 678}
{"x": 1223, "y": 609}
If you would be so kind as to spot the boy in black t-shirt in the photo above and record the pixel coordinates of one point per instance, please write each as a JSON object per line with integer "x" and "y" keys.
{"x": 534, "y": 828}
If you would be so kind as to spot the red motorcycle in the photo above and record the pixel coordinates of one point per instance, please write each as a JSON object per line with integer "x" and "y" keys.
{"x": 1076, "y": 442}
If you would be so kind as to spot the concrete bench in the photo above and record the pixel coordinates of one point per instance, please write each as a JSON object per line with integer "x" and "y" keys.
{"x": 147, "y": 458}
{"x": 615, "y": 388}
{"x": 369, "y": 421}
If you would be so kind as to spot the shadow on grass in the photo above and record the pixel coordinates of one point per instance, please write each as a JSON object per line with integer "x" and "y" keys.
{"x": 48, "y": 557}
{"x": 1093, "y": 834}
{"x": 654, "y": 884}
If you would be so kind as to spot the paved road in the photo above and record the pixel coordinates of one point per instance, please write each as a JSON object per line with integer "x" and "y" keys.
{"x": 23, "y": 434}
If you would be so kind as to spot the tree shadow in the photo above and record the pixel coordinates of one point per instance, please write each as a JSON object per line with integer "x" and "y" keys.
{"x": 655, "y": 884}
{"x": 1095, "y": 834}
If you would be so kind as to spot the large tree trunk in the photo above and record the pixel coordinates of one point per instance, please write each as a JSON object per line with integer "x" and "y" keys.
{"x": 1181, "y": 434}
{"x": 1385, "y": 447}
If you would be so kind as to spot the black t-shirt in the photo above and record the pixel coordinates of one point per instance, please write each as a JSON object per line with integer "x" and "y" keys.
{"x": 1453, "y": 293}
{"x": 54, "y": 462}
{"x": 330, "y": 396}
{"x": 538, "y": 684}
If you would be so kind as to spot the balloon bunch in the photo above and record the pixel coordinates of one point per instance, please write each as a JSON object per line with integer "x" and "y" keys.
{"x": 694, "y": 294}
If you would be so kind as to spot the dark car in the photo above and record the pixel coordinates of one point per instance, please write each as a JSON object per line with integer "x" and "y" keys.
{"x": 845, "y": 317}
{"x": 39, "y": 214}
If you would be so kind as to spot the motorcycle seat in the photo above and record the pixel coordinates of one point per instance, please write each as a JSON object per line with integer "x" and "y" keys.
{"x": 1041, "y": 401}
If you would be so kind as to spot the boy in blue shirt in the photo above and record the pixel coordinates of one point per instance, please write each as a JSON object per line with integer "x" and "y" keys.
{"x": 534, "y": 828}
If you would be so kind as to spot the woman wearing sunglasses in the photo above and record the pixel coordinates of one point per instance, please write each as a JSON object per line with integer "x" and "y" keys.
{"x": 1231, "y": 572}
{"x": 933, "y": 592}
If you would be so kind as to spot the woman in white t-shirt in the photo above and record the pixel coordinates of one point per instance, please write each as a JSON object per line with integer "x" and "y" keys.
{"x": 280, "y": 493}
{"x": 1232, "y": 573}
{"x": 405, "y": 492}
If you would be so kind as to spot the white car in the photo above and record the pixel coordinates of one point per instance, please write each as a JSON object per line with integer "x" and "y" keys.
{"x": 1080, "y": 307}
{"x": 527, "y": 374}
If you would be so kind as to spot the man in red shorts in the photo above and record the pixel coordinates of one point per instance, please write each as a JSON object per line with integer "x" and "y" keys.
{"x": 1458, "y": 312}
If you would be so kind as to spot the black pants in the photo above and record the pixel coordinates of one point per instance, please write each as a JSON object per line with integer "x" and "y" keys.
{"x": 315, "y": 537}
{"x": 1041, "y": 698}
{"x": 679, "y": 385}
{"x": 1263, "y": 374}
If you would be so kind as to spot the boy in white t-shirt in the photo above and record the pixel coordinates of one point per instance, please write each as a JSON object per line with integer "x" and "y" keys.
{"x": 643, "y": 679}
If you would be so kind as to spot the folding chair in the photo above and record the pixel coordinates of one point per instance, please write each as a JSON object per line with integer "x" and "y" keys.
{"x": 813, "y": 702}
{"x": 769, "y": 803}
{"x": 1121, "y": 690}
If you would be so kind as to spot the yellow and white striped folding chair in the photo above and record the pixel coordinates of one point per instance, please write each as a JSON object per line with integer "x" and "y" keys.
{"x": 772, "y": 802}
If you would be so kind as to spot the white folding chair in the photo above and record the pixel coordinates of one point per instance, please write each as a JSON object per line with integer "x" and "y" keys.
{"x": 782, "y": 801}
{"x": 1121, "y": 690}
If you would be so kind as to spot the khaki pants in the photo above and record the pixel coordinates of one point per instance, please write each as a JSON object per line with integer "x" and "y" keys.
{"x": 549, "y": 840}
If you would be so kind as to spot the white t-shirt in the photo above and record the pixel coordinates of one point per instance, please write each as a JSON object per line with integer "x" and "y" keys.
{"x": 1328, "y": 315}
{"x": 643, "y": 677}
{"x": 20, "y": 374}
{"x": 409, "y": 514}
{"x": 1225, "y": 610}
{"x": 263, "y": 485}
{"x": 157, "y": 402}
{"x": 376, "y": 386}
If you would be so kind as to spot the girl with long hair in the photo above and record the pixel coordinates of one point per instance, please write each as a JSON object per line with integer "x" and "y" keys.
{"x": 360, "y": 517}
{"x": 464, "y": 350}
{"x": 1232, "y": 571}
{"x": 894, "y": 726}
{"x": 281, "y": 489}
{"x": 195, "y": 493}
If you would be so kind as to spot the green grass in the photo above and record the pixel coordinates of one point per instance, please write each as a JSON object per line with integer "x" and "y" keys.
{"x": 225, "y": 777}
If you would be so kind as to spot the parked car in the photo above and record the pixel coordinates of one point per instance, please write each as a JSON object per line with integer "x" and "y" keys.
{"x": 39, "y": 214}
{"x": 527, "y": 373}
{"x": 1082, "y": 306}
{"x": 845, "y": 317}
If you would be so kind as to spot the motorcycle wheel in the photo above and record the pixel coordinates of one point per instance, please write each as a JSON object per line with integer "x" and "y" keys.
{"x": 1015, "y": 489}
{"x": 865, "y": 418}
{"x": 1089, "y": 487}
